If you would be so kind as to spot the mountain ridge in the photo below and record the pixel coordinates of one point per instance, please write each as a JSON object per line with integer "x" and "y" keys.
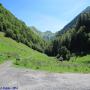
{"x": 72, "y": 23}
{"x": 47, "y": 35}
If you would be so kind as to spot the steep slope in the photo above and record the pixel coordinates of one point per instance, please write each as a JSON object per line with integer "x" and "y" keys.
{"x": 12, "y": 49}
{"x": 47, "y": 36}
{"x": 17, "y": 30}
{"x": 87, "y": 9}
{"x": 74, "y": 22}
{"x": 74, "y": 39}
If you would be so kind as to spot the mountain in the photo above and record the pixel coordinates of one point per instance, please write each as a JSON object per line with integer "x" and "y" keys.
{"x": 74, "y": 38}
{"x": 47, "y": 36}
{"x": 17, "y": 30}
{"x": 74, "y": 22}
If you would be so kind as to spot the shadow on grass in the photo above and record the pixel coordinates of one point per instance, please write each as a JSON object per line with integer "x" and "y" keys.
{"x": 86, "y": 62}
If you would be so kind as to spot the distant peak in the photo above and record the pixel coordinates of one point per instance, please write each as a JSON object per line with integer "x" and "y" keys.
{"x": 87, "y": 9}
{"x": 48, "y": 31}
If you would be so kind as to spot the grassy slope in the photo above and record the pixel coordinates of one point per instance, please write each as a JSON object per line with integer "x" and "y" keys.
{"x": 9, "y": 49}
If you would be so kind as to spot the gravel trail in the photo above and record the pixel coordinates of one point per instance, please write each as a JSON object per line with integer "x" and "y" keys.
{"x": 27, "y": 79}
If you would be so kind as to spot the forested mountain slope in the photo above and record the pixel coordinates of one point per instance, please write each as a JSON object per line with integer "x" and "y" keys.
{"x": 75, "y": 39}
{"x": 74, "y": 22}
{"x": 17, "y": 30}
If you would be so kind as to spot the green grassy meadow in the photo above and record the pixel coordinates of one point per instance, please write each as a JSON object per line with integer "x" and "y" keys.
{"x": 76, "y": 65}
{"x": 23, "y": 56}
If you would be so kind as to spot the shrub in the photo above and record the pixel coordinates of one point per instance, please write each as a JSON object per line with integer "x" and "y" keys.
{"x": 64, "y": 53}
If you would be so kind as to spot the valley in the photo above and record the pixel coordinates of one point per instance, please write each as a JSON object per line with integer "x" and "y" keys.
{"x": 23, "y": 56}
{"x": 31, "y": 59}
{"x": 27, "y": 47}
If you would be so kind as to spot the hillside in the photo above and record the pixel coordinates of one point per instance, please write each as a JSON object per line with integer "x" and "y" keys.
{"x": 12, "y": 49}
{"x": 15, "y": 37}
{"x": 74, "y": 22}
{"x": 74, "y": 39}
{"x": 17, "y": 30}
{"x": 47, "y": 36}
{"x": 23, "y": 56}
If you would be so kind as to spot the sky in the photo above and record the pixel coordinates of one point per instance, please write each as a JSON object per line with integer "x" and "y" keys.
{"x": 46, "y": 15}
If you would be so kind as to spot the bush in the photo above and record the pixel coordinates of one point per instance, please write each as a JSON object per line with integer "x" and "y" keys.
{"x": 64, "y": 53}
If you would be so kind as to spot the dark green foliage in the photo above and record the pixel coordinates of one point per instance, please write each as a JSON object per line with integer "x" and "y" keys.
{"x": 76, "y": 21}
{"x": 49, "y": 49}
{"x": 64, "y": 53}
{"x": 74, "y": 38}
{"x": 17, "y": 30}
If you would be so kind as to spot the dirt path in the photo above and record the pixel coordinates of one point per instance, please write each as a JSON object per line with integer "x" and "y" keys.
{"x": 25, "y": 79}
